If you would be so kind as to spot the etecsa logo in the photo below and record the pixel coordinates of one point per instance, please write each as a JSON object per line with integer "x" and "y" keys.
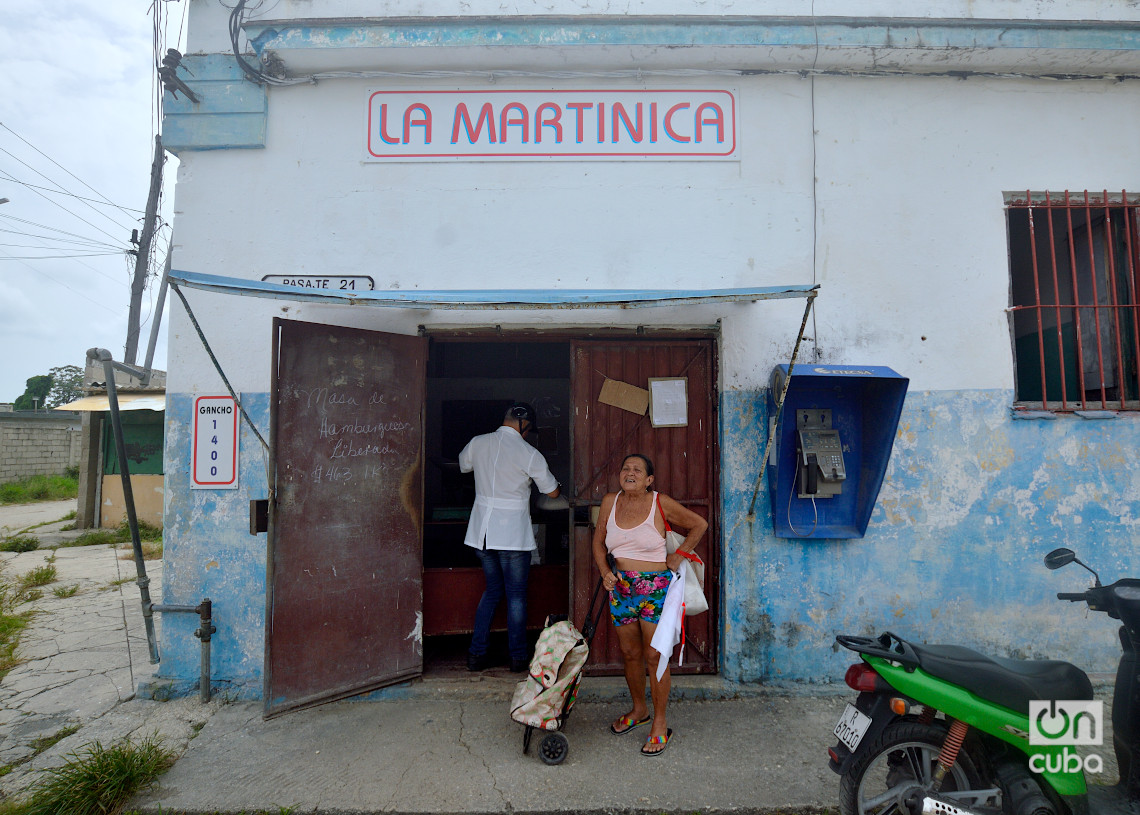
{"x": 1065, "y": 723}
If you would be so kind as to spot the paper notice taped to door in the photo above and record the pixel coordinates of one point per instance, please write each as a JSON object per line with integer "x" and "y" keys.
{"x": 669, "y": 406}
{"x": 625, "y": 396}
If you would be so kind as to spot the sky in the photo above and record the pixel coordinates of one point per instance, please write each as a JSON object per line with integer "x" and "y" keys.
{"x": 78, "y": 115}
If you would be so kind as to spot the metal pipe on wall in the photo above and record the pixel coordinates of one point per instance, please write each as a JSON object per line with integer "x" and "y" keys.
{"x": 104, "y": 356}
{"x": 204, "y": 610}
{"x": 206, "y": 628}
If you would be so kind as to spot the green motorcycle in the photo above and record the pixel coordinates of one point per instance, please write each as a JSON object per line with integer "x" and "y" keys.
{"x": 945, "y": 730}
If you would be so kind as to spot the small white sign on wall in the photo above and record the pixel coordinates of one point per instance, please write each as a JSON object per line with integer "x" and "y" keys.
{"x": 214, "y": 446}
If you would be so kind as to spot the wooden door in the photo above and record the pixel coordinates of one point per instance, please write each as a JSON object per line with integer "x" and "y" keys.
{"x": 685, "y": 465}
{"x": 344, "y": 606}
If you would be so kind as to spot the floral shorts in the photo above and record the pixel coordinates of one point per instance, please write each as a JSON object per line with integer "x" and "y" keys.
{"x": 639, "y": 596}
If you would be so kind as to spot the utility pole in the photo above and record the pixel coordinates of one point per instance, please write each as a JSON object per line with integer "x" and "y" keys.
{"x": 138, "y": 282}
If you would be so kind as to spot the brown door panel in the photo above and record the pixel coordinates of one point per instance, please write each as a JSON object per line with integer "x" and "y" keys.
{"x": 685, "y": 464}
{"x": 344, "y": 588}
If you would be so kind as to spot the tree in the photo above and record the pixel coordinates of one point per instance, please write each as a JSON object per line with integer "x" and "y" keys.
{"x": 35, "y": 395}
{"x": 57, "y": 387}
{"x": 66, "y": 385}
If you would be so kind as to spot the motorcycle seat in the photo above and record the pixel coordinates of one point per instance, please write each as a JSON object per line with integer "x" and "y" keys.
{"x": 1011, "y": 683}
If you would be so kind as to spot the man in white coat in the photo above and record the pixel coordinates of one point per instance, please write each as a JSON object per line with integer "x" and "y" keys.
{"x": 500, "y": 529}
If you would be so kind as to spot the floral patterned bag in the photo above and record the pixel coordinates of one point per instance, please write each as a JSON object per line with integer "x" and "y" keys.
{"x": 544, "y": 698}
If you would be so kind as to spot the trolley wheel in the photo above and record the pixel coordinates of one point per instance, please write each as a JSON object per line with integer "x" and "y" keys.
{"x": 526, "y": 739}
{"x": 553, "y": 749}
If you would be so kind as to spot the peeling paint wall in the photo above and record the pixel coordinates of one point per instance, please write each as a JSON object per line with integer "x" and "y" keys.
{"x": 884, "y": 189}
{"x": 208, "y": 552}
{"x": 972, "y": 501}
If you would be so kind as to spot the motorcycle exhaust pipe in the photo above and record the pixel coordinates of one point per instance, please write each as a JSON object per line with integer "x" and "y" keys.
{"x": 918, "y": 803}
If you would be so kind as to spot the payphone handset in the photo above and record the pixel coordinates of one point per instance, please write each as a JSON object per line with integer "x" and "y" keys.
{"x": 819, "y": 454}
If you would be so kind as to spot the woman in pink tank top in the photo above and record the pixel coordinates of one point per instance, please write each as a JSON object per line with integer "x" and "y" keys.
{"x": 631, "y": 528}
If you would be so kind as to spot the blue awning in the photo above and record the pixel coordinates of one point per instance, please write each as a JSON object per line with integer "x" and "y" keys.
{"x": 473, "y": 299}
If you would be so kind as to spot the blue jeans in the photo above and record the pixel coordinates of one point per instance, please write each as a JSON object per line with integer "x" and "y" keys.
{"x": 505, "y": 573}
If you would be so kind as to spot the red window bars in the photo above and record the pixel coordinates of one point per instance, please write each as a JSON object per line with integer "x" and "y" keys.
{"x": 1073, "y": 272}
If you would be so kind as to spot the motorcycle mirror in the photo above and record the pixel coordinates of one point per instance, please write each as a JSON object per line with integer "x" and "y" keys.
{"x": 1059, "y": 557}
{"x": 1063, "y": 557}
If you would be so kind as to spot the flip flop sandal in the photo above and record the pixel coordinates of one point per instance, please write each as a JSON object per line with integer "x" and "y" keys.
{"x": 662, "y": 740}
{"x": 629, "y": 723}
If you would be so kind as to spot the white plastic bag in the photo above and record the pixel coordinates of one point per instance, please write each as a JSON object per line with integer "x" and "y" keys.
{"x": 695, "y": 601}
{"x": 671, "y": 626}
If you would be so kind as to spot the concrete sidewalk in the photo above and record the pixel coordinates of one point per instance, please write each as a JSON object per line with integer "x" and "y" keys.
{"x": 445, "y": 744}
{"x": 41, "y": 520}
{"x": 83, "y": 653}
{"x": 456, "y": 755}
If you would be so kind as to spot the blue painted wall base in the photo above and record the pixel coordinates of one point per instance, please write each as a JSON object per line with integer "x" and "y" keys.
{"x": 971, "y": 502}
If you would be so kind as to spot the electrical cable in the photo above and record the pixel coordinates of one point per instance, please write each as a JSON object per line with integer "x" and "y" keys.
{"x": 58, "y": 257}
{"x": 4, "y": 255}
{"x": 9, "y": 177}
{"x": 60, "y": 166}
{"x": 56, "y": 248}
{"x": 814, "y": 187}
{"x": 78, "y": 197}
{"x": 780, "y": 404}
{"x": 217, "y": 365}
{"x": 814, "y": 509}
{"x": 52, "y": 228}
{"x": 59, "y": 191}
{"x": 86, "y": 243}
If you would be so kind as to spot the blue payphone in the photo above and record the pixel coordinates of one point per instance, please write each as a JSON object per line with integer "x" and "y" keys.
{"x": 830, "y": 447}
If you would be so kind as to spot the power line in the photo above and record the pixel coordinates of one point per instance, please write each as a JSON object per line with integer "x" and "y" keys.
{"x": 60, "y": 166}
{"x": 79, "y": 197}
{"x": 52, "y": 228}
{"x": 37, "y": 172}
{"x": 41, "y": 246}
{"x": 58, "y": 257}
{"x": 89, "y": 243}
{"x": 5, "y": 255}
{"x": 61, "y": 206}
{"x": 77, "y": 260}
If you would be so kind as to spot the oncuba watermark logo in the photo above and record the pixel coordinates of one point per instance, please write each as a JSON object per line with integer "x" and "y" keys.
{"x": 1065, "y": 723}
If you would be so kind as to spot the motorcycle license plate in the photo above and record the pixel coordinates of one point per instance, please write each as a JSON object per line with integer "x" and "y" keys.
{"x": 851, "y": 727}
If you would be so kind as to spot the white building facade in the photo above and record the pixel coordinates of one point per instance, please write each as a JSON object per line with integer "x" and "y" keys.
{"x": 919, "y": 181}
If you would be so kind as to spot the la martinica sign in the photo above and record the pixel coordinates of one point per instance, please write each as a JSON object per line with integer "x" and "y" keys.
{"x": 523, "y": 125}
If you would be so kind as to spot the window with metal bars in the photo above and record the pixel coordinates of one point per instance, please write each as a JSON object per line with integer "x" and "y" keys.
{"x": 1074, "y": 260}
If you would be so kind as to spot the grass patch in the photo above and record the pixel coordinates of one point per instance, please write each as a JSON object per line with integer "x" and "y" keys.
{"x": 68, "y": 517}
{"x": 22, "y": 543}
{"x": 39, "y": 576}
{"x": 39, "y": 745}
{"x": 12, "y": 624}
{"x": 65, "y": 591}
{"x": 152, "y": 550}
{"x": 39, "y": 488}
{"x": 96, "y": 780}
{"x": 120, "y": 534}
{"x": 94, "y": 537}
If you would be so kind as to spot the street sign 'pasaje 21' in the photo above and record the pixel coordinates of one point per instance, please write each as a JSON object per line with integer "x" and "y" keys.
{"x": 551, "y": 124}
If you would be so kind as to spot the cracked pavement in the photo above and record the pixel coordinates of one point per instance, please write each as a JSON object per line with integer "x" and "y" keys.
{"x": 443, "y": 744}
{"x": 82, "y": 655}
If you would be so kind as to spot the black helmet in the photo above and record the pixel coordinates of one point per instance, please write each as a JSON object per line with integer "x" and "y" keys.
{"x": 522, "y": 411}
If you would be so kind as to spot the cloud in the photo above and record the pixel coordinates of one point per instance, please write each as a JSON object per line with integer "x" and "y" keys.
{"x": 80, "y": 91}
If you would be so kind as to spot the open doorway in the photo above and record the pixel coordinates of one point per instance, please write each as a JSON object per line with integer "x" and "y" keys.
{"x": 368, "y": 500}
{"x": 469, "y": 386}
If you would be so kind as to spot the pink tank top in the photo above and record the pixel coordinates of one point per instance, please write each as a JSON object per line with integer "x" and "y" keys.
{"x": 643, "y": 542}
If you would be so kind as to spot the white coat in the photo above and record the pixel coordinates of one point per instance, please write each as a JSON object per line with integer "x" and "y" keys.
{"x": 504, "y": 466}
